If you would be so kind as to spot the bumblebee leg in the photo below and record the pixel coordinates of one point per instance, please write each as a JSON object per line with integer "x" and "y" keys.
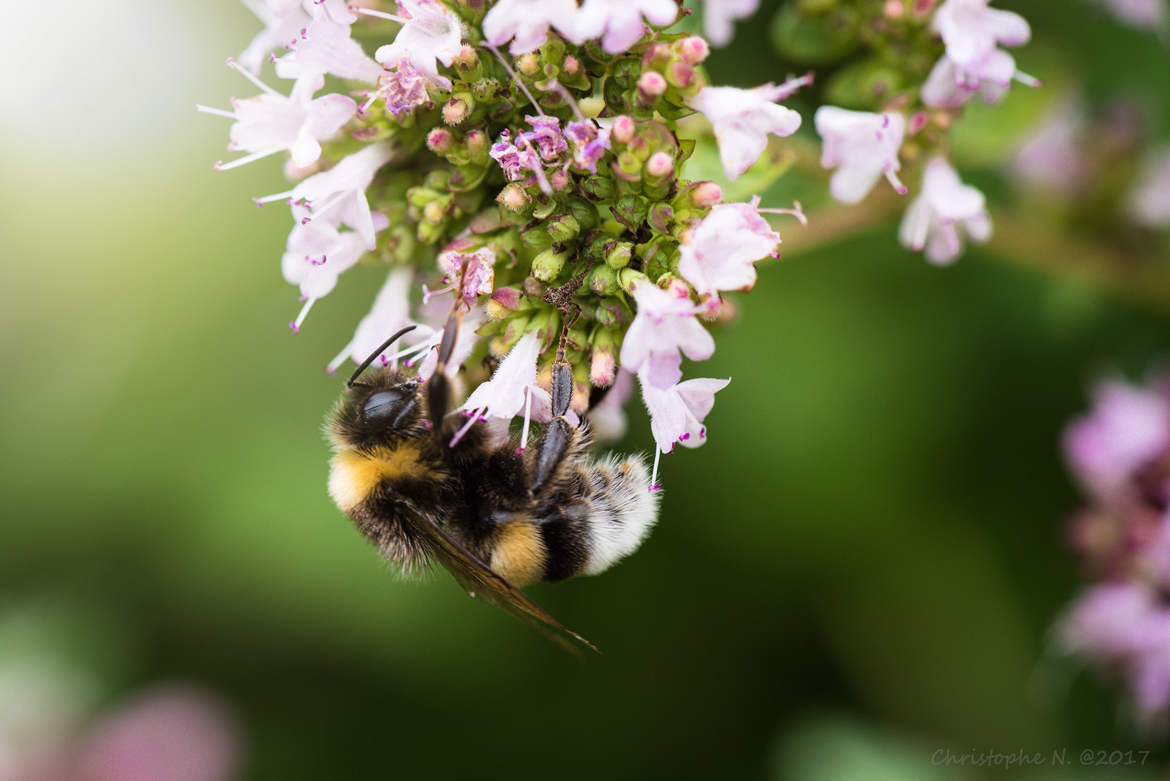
{"x": 439, "y": 387}
{"x": 558, "y": 434}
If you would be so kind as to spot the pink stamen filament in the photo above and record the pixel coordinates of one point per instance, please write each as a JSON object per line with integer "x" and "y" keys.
{"x": 222, "y": 166}
{"x": 527, "y": 417}
{"x": 475, "y": 416}
{"x": 796, "y": 211}
{"x": 296, "y": 324}
{"x": 893, "y": 179}
{"x": 789, "y": 87}
{"x": 216, "y": 111}
{"x": 357, "y": 9}
{"x": 654, "y": 475}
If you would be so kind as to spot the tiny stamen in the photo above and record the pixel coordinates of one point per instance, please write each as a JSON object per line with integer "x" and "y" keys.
{"x": 541, "y": 179}
{"x": 357, "y": 9}
{"x": 216, "y": 111}
{"x": 1027, "y": 80}
{"x": 222, "y": 166}
{"x": 654, "y": 486}
{"x": 893, "y": 179}
{"x": 796, "y": 211}
{"x": 789, "y": 87}
{"x": 527, "y": 417}
{"x": 335, "y": 364}
{"x": 247, "y": 74}
{"x": 559, "y": 88}
{"x": 295, "y": 325}
{"x": 466, "y": 427}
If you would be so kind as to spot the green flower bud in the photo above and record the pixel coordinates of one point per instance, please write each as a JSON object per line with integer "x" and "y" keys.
{"x": 603, "y": 281}
{"x": 630, "y": 210}
{"x": 628, "y": 278}
{"x": 563, "y": 227}
{"x": 598, "y": 188}
{"x": 536, "y": 237}
{"x": 548, "y": 264}
{"x": 618, "y": 254}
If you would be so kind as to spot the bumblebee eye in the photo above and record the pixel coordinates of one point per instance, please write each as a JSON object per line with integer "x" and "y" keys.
{"x": 382, "y": 404}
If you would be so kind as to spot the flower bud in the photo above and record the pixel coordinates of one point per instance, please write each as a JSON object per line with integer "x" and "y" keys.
{"x": 652, "y": 84}
{"x": 434, "y": 211}
{"x": 602, "y": 367}
{"x": 706, "y": 194}
{"x": 603, "y": 280}
{"x": 693, "y": 49}
{"x": 628, "y": 278}
{"x": 598, "y": 188}
{"x": 571, "y": 66}
{"x": 618, "y": 254}
{"x": 466, "y": 58}
{"x": 507, "y": 297}
{"x": 623, "y": 129}
{"x": 659, "y": 165}
{"x": 533, "y": 288}
{"x": 548, "y": 264}
{"x": 440, "y": 141}
{"x": 680, "y": 74}
{"x": 456, "y": 110}
{"x": 514, "y": 198}
{"x": 536, "y": 237}
{"x": 562, "y": 228}
{"x": 528, "y": 64}
{"x": 630, "y": 210}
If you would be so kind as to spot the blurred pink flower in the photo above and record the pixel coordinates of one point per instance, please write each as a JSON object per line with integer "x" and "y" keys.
{"x": 432, "y": 33}
{"x": 743, "y": 119}
{"x": 526, "y": 22}
{"x": 621, "y": 21}
{"x": 719, "y": 14}
{"x": 863, "y": 147}
{"x": 945, "y": 210}
{"x": 723, "y": 250}
{"x": 1149, "y": 14}
{"x": 1050, "y": 158}
{"x": 664, "y": 327}
{"x": 1127, "y": 427}
{"x": 167, "y": 734}
{"x": 1149, "y": 202}
{"x": 973, "y": 63}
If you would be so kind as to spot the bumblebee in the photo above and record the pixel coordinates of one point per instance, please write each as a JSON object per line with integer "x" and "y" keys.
{"x": 495, "y": 516}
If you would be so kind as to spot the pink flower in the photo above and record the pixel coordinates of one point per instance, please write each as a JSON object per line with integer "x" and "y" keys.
{"x": 1127, "y": 427}
{"x": 271, "y": 123}
{"x": 621, "y": 21}
{"x": 432, "y": 34}
{"x": 401, "y": 87}
{"x": 863, "y": 147}
{"x": 325, "y": 46}
{"x": 338, "y": 196}
{"x": 526, "y": 23}
{"x": 719, "y": 14}
{"x": 663, "y": 327}
{"x": 1149, "y": 14}
{"x": 1149, "y": 202}
{"x": 590, "y": 143}
{"x": 390, "y": 312}
{"x": 283, "y": 21}
{"x": 723, "y": 250}
{"x": 973, "y": 63}
{"x": 677, "y": 411}
{"x": 1050, "y": 157}
{"x": 176, "y": 734}
{"x": 972, "y": 30}
{"x": 742, "y": 119}
{"x": 471, "y": 274}
{"x": 317, "y": 255}
{"x": 944, "y": 211}
{"x": 511, "y": 390}
{"x": 607, "y": 419}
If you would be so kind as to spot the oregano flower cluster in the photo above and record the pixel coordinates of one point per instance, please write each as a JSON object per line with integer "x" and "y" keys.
{"x": 523, "y": 160}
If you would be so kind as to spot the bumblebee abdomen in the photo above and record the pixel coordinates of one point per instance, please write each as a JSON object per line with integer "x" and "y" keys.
{"x": 602, "y": 515}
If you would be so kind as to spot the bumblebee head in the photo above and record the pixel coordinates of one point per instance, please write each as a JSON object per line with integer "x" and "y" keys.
{"x": 380, "y": 408}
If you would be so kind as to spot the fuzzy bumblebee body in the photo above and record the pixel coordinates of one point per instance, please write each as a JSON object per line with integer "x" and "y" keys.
{"x": 497, "y": 517}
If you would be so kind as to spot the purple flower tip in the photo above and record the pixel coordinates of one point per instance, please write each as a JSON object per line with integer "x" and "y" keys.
{"x": 296, "y": 329}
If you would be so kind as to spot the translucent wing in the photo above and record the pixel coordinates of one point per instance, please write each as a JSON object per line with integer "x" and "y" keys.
{"x": 480, "y": 581}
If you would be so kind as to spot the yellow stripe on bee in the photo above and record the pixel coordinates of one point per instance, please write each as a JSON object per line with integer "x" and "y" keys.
{"x": 518, "y": 553}
{"x": 353, "y": 474}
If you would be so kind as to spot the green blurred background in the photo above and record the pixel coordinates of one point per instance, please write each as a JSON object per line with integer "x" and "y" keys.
{"x": 859, "y": 569}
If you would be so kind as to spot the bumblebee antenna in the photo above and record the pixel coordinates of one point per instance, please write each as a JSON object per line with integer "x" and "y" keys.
{"x": 365, "y": 364}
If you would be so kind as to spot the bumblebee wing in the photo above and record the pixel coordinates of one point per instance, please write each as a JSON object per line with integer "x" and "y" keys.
{"x": 480, "y": 581}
